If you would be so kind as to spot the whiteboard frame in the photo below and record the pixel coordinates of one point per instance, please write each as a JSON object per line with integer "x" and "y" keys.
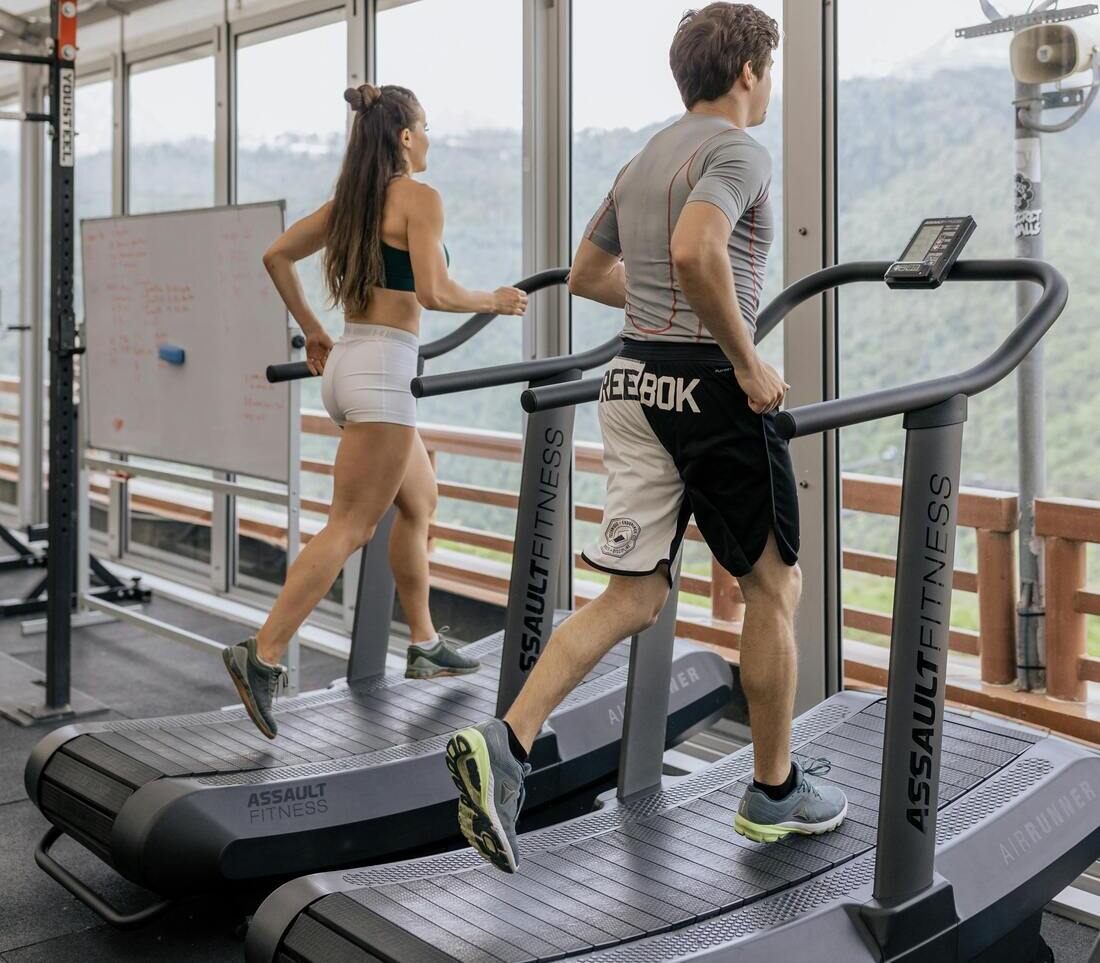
{"x": 85, "y": 393}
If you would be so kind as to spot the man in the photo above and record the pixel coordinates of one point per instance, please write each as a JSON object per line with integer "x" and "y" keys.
{"x": 686, "y": 413}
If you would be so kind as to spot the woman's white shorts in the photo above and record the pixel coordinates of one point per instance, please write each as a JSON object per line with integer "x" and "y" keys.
{"x": 367, "y": 376}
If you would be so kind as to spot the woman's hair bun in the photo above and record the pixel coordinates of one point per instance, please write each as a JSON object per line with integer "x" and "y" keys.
{"x": 362, "y": 97}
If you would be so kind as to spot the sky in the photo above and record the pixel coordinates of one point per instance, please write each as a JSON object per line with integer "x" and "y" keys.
{"x": 620, "y": 66}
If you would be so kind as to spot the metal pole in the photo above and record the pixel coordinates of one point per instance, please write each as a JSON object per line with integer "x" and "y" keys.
{"x": 645, "y": 713}
{"x": 543, "y": 526}
{"x": 1030, "y": 398}
{"x": 918, "y": 650}
{"x": 64, "y": 467}
{"x": 370, "y": 631}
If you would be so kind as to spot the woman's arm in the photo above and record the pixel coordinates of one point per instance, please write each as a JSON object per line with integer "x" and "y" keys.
{"x": 300, "y": 240}
{"x": 435, "y": 290}
{"x": 597, "y": 275}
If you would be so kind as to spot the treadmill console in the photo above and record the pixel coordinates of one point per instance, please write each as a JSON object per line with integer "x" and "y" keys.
{"x": 931, "y": 252}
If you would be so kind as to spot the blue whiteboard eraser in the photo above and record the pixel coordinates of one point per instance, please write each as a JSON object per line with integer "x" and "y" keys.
{"x": 171, "y": 354}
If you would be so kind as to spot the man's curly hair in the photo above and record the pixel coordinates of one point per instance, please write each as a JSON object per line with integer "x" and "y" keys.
{"x": 712, "y": 46}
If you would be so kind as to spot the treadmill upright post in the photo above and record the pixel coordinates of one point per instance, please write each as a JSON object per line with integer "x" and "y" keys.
{"x": 645, "y": 711}
{"x": 542, "y": 520}
{"x": 370, "y": 631}
{"x": 918, "y": 651}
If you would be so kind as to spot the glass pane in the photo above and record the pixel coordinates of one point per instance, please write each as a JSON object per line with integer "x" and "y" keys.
{"x": 904, "y": 97}
{"x": 172, "y": 137}
{"x": 622, "y": 95}
{"x": 94, "y": 118}
{"x": 94, "y": 113}
{"x": 472, "y": 94}
{"x": 10, "y": 312}
{"x": 291, "y": 129}
{"x": 172, "y": 124}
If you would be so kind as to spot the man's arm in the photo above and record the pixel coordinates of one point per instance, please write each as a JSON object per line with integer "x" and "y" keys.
{"x": 598, "y": 272}
{"x": 598, "y": 275}
{"x": 701, "y": 261}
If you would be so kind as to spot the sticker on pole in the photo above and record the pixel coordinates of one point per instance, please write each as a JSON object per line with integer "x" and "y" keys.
{"x": 65, "y": 117}
{"x": 1029, "y": 211}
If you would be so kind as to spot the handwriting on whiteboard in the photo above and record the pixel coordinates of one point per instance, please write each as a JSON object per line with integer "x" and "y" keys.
{"x": 196, "y": 281}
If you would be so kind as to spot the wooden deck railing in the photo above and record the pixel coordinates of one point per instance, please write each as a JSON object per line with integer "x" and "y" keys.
{"x": 1067, "y": 527}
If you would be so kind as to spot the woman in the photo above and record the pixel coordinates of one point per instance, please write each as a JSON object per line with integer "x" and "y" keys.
{"x": 384, "y": 261}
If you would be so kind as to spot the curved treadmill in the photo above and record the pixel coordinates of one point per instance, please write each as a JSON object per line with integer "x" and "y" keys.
{"x": 960, "y": 828}
{"x": 666, "y": 878}
{"x": 176, "y": 804}
{"x": 357, "y": 773}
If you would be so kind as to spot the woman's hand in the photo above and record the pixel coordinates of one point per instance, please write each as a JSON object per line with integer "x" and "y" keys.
{"x": 509, "y": 301}
{"x": 318, "y": 345}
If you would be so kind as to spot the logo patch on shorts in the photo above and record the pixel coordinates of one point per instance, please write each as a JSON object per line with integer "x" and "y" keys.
{"x": 621, "y": 537}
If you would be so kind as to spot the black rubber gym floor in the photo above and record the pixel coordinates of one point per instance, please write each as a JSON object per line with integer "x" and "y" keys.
{"x": 139, "y": 675}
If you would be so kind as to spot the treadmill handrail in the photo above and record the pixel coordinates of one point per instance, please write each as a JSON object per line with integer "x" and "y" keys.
{"x": 518, "y": 372}
{"x": 296, "y": 370}
{"x": 841, "y": 412}
{"x": 561, "y": 395}
{"x": 470, "y": 327}
{"x": 838, "y": 413}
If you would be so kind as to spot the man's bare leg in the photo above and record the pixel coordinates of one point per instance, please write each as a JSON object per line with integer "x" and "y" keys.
{"x": 769, "y": 663}
{"x": 629, "y": 604}
{"x": 781, "y": 799}
{"x": 483, "y": 760}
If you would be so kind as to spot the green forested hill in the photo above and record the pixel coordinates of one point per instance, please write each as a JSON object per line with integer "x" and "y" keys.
{"x": 906, "y": 149}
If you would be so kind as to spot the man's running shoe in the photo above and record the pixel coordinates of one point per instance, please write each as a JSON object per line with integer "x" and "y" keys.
{"x": 807, "y": 809}
{"x": 489, "y": 780}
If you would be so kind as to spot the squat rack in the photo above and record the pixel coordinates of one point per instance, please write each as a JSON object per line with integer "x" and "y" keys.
{"x": 59, "y": 56}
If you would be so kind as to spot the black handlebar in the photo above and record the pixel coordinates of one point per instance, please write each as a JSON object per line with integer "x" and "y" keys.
{"x": 517, "y": 373}
{"x": 465, "y": 331}
{"x": 560, "y": 396}
{"x": 295, "y": 370}
{"x": 841, "y": 412}
{"x": 826, "y": 415}
{"x": 290, "y": 371}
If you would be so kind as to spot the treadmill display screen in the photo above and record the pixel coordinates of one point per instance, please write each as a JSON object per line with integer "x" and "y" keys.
{"x": 922, "y": 243}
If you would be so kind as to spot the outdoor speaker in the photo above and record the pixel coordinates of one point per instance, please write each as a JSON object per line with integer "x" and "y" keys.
{"x": 1053, "y": 51}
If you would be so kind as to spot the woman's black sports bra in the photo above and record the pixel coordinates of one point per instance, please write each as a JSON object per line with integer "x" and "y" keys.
{"x": 399, "y": 268}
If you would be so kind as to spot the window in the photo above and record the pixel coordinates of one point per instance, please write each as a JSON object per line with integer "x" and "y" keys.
{"x": 925, "y": 127}
{"x": 172, "y": 133}
{"x": 171, "y": 147}
{"x": 94, "y": 115}
{"x": 94, "y": 184}
{"x": 291, "y": 130}
{"x": 472, "y": 94}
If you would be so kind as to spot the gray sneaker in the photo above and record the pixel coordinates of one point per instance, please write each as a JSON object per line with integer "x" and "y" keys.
{"x": 440, "y": 658}
{"x": 257, "y": 683}
{"x": 807, "y": 809}
{"x": 490, "y": 791}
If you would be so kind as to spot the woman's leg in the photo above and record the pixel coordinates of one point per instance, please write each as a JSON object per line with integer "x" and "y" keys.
{"x": 370, "y": 464}
{"x": 415, "y": 502}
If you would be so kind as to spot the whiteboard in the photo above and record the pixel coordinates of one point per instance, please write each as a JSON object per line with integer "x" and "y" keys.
{"x": 191, "y": 280}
